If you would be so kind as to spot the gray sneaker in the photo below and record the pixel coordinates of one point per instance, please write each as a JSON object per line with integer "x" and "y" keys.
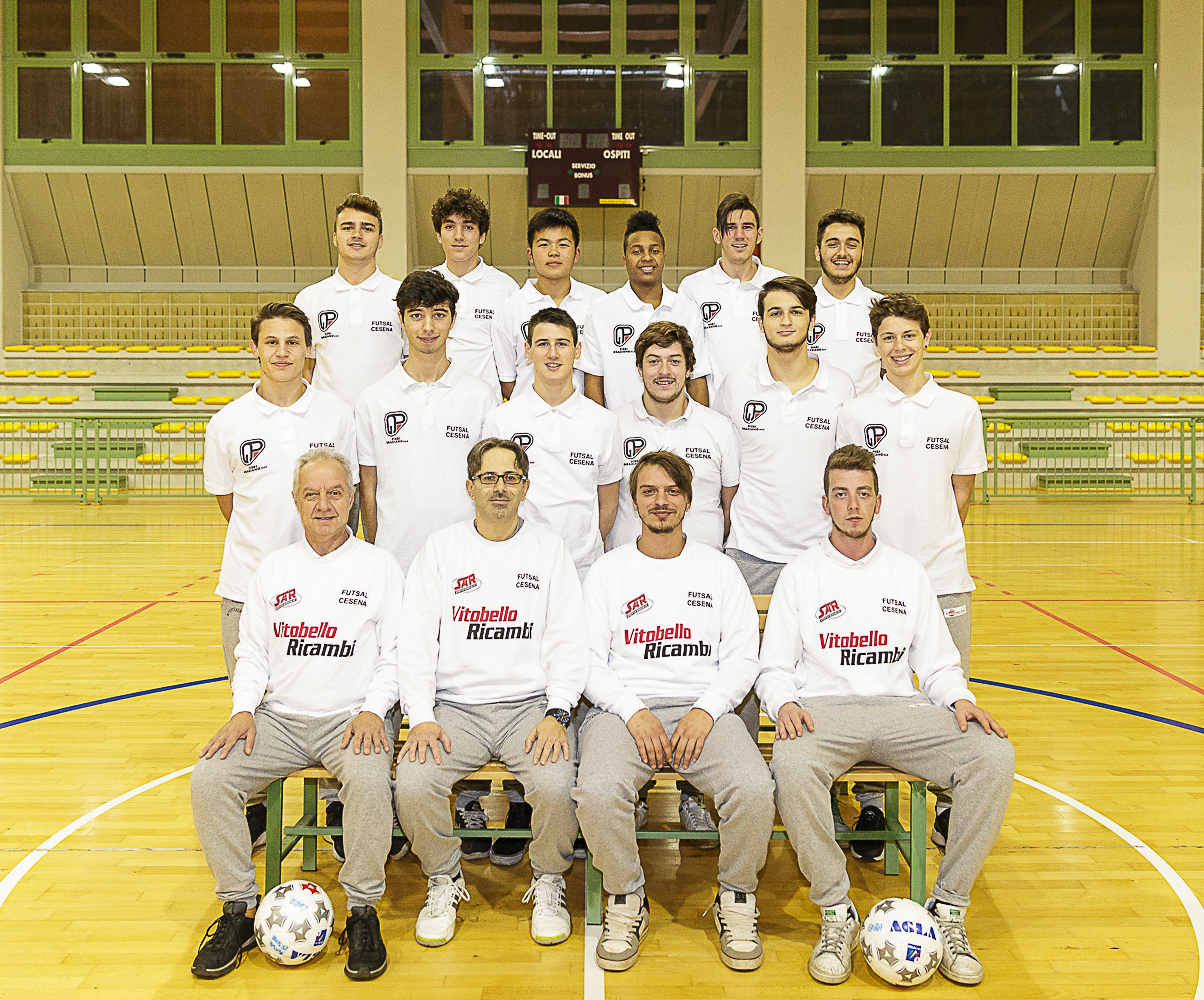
{"x": 623, "y": 928}
{"x": 736, "y": 916}
{"x": 832, "y": 957}
{"x": 958, "y": 961}
{"x": 692, "y": 812}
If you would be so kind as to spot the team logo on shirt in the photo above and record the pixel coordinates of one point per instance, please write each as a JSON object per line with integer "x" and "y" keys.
{"x": 623, "y": 333}
{"x": 250, "y": 450}
{"x": 523, "y": 440}
{"x": 466, "y": 583}
{"x": 817, "y": 331}
{"x": 326, "y": 319}
{"x": 285, "y": 599}
{"x": 394, "y": 422}
{"x": 658, "y": 642}
{"x": 525, "y": 328}
{"x": 710, "y": 310}
{"x": 636, "y": 605}
{"x": 754, "y": 409}
{"x": 875, "y": 434}
{"x": 633, "y": 446}
{"x": 830, "y": 610}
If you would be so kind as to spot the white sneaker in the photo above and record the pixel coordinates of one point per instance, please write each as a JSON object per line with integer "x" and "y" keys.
{"x": 623, "y": 928}
{"x": 958, "y": 961}
{"x": 694, "y": 817}
{"x": 735, "y": 916}
{"x": 437, "y": 921}
{"x": 832, "y": 956}
{"x": 641, "y": 813}
{"x": 550, "y": 921}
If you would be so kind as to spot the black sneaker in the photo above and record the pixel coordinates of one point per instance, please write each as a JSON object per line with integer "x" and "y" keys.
{"x": 508, "y": 851}
{"x": 940, "y": 829}
{"x": 473, "y": 818}
{"x": 366, "y": 955}
{"x": 579, "y": 848}
{"x": 399, "y": 847}
{"x": 871, "y": 818}
{"x": 257, "y": 825}
{"x": 228, "y": 938}
{"x": 334, "y": 817}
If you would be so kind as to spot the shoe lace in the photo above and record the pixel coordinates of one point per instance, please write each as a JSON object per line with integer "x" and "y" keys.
{"x": 954, "y": 933}
{"x": 695, "y": 814}
{"x": 548, "y": 892}
{"x": 221, "y": 935}
{"x": 442, "y": 896}
{"x": 359, "y": 932}
{"x": 738, "y": 920}
{"x": 619, "y": 925}
{"x": 475, "y": 819}
{"x": 832, "y": 934}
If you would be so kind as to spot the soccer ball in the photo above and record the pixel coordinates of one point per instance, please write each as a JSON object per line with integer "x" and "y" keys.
{"x": 900, "y": 942}
{"x": 293, "y": 922}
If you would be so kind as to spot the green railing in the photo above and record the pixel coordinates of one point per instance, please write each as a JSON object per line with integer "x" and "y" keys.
{"x": 1149, "y": 454}
{"x": 98, "y": 457}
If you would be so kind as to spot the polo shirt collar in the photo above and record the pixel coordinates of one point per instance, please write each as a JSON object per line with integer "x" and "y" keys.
{"x": 766, "y": 376}
{"x": 540, "y": 407}
{"x": 532, "y": 294}
{"x": 721, "y": 277}
{"x": 641, "y": 411}
{"x": 859, "y": 296}
{"x": 406, "y": 380}
{"x": 635, "y": 303}
{"x": 369, "y": 284}
{"x": 472, "y": 277}
{"x": 842, "y": 560}
{"x": 267, "y": 407}
{"x": 925, "y": 397}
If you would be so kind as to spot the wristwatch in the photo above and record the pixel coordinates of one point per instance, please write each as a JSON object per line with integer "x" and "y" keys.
{"x": 560, "y": 715}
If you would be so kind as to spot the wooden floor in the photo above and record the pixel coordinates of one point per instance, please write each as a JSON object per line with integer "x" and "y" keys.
{"x": 1094, "y": 601}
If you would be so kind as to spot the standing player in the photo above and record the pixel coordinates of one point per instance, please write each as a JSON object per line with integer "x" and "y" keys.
{"x": 928, "y": 447}
{"x": 726, "y": 295}
{"x": 673, "y": 645}
{"x": 461, "y": 222}
{"x": 842, "y": 334}
{"x": 615, "y": 321}
{"x": 553, "y": 239}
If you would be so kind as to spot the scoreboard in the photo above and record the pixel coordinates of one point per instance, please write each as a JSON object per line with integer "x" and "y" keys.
{"x": 575, "y": 168}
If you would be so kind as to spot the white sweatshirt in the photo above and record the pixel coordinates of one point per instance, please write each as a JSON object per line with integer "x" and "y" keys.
{"x": 682, "y": 628}
{"x": 856, "y": 628}
{"x": 491, "y": 622}
{"x": 318, "y": 634}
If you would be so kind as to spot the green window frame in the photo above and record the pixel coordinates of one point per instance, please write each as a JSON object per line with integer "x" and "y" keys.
{"x": 475, "y": 154}
{"x": 74, "y": 151}
{"x": 871, "y": 152}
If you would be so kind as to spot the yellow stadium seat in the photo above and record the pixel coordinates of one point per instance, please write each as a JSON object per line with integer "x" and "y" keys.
{"x": 1145, "y": 373}
{"x": 6, "y": 399}
{"x": 1024, "y": 349}
{"x": 62, "y": 400}
{"x": 169, "y": 428}
{"x": 50, "y": 373}
{"x": 138, "y": 349}
{"x": 186, "y": 400}
{"x": 1181, "y": 425}
{"x": 1142, "y": 457}
{"x": 199, "y": 373}
{"x": 1122, "y": 428}
{"x": 48, "y": 348}
{"x": 1165, "y": 400}
{"x": 1178, "y": 457}
{"x": 81, "y": 373}
{"x": 1176, "y": 373}
{"x": 1155, "y": 428}
{"x": 966, "y": 373}
{"x": 18, "y": 348}
{"x": 11, "y": 428}
{"x": 939, "y": 373}
{"x": 1192, "y": 399}
{"x": 152, "y": 458}
{"x": 1084, "y": 349}
{"x": 78, "y": 348}
{"x": 1134, "y": 400}
{"x": 198, "y": 349}
{"x": 255, "y": 374}
{"x": 41, "y": 428}
{"x": 109, "y": 349}
{"x": 218, "y": 400}
{"x": 1112, "y": 349}
{"x": 1142, "y": 349}
{"x": 187, "y": 458}
{"x": 1114, "y": 373}
{"x": 169, "y": 349}
{"x": 18, "y": 373}
{"x": 229, "y": 349}
{"x": 1001, "y": 428}
{"x": 1198, "y": 372}
{"x": 965, "y": 348}
{"x": 30, "y": 400}
{"x": 1011, "y": 457}
{"x": 983, "y": 400}
{"x": 995, "y": 349}
{"x": 1100, "y": 399}
{"x": 20, "y": 458}
{"x": 1084, "y": 373}
{"x": 197, "y": 428}
{"x": 1054, "y": 349}
{"x": 232, "y": 373}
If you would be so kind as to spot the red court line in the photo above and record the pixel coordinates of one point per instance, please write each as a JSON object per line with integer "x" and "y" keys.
{"x": 70, "y": 645}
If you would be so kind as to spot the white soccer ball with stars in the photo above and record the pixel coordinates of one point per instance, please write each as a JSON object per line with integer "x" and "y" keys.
{"x": 294, "y": 922}
{"x": 900, "y": 942}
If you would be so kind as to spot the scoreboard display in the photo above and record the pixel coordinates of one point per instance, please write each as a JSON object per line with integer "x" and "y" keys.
{"x": 574, "y": 168}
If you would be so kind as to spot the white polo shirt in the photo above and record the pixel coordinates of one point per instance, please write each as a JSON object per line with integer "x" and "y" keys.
{"x": 703, "y": 437}
{"x": 573, "y": 449}
{"x": 920, "y": 443}
{"x": 727, "y": 309}
{"x": 482, "y": 292}
{"x": 785, "y": 440}
{"x": 510, "y": 329}
{"x": 418, "y": 435}
{"x": 842, "y": 335}
{"x": 612, "y": 327}
{"x": 251, "y": 446}
{"x": 357, "y": 334}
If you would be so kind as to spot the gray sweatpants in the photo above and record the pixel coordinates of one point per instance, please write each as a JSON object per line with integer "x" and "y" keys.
{"x": 910, "y": 734}
{"x": 283, "y": 744}
{"x": 730, "y": 770}
{"x": 478, "y": 734}
{"x": 231, "y": 615}
{"x": 760, "y": 574}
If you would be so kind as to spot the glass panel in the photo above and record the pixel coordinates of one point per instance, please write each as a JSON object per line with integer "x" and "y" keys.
{"x": 913, "y": 26}
{"x": 721, "y": 107}
{"x": 721, "y": 27}
{"x": 183, "y": 103}
{"x": 516, "y": 99}
{"x": 913, "y": 106}
{"x": 115, "y": 104}
{"x": 114, "y": 26}
{"x": 322, "y": 26}
{"x": 515, "y": 26}
{"x": 252, "y": 26}
{"x": 652, "y": 26}
{"x": 844, "y": 106}
{"x": 1048, "y": 26}
{"x": 323, "y": 103}
{"x": 252, "y": 106}
{"x": 980, "y": 105}
{"x": 1116, "y": 105}
{"x": 44, "y": 25}
{"x": 182, "y": 26}
{"x": 445, "y": 98}
{"x": 446, "y": 26}
{"x": 1116, "y": 26}
{"x": 583, "y": 97}
{"x": 44, "y": 103}
{"x": 1048, "y": 106}
{"x": 654, "y": 102}
{"x": 583, "y": 27}
{"x": 981, "y": 27}
{"x": 844, "y": 27}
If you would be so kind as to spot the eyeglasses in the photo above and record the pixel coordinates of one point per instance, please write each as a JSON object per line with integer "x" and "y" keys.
{"x": 491, "y": 478}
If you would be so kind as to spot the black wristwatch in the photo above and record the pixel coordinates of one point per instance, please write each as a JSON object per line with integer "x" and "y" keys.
{"x": 560, "y": 715}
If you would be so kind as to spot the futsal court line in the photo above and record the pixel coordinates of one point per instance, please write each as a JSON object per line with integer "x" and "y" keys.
{"x": 72, "y": 645}
{"x": 105, "y": 701}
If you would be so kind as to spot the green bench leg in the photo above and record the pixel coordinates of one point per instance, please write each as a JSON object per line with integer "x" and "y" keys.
{"x": 918, "y": 848}
{"x": 309, "y": 842}
{"x": 275, "y": 804}
{"x": 891, "y": 859}
{"x": 593, "y": 891}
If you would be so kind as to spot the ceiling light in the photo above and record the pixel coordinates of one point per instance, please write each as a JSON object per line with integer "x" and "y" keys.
{"x": 93, "y": 68}
{"x": 489, "y": 69}
{"x": 117, "y": 81}
{"x": 1065, "y": 69}
{"x": 675, "y": 83}
{"x": 675, "y": 68}
{"x": 880, "y": 71}
{"x": 284, "y": 68}
{"x": 301, "y": 82}
{"x": 494, "y": 81}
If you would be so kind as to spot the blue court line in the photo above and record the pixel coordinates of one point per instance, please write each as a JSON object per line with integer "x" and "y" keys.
{"x": 1094, "y": 704}
{"x": 105, "y": 701}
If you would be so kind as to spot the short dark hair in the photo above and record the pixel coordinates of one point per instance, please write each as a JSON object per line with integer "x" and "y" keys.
{"x": 476, "y": 457}
{"x": 851, "y": 457}
{"x": 557, "y": 317}
{"x": 642, "y": 221}
{"x": 552, "y": 218}
{"x": 898, "y": 304}
{"x": 677, "y": 468}
{"x": 360, "y": 203}
{"x": 797, "y": 287}
{"x": 281, "y": 310}
{"x": 426, "y": 288}
{"x": 662, "y": 333}
{"x": 839, "y": 216}
{"x": 462, "y": 202}
{"x": 735, "y": 203}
